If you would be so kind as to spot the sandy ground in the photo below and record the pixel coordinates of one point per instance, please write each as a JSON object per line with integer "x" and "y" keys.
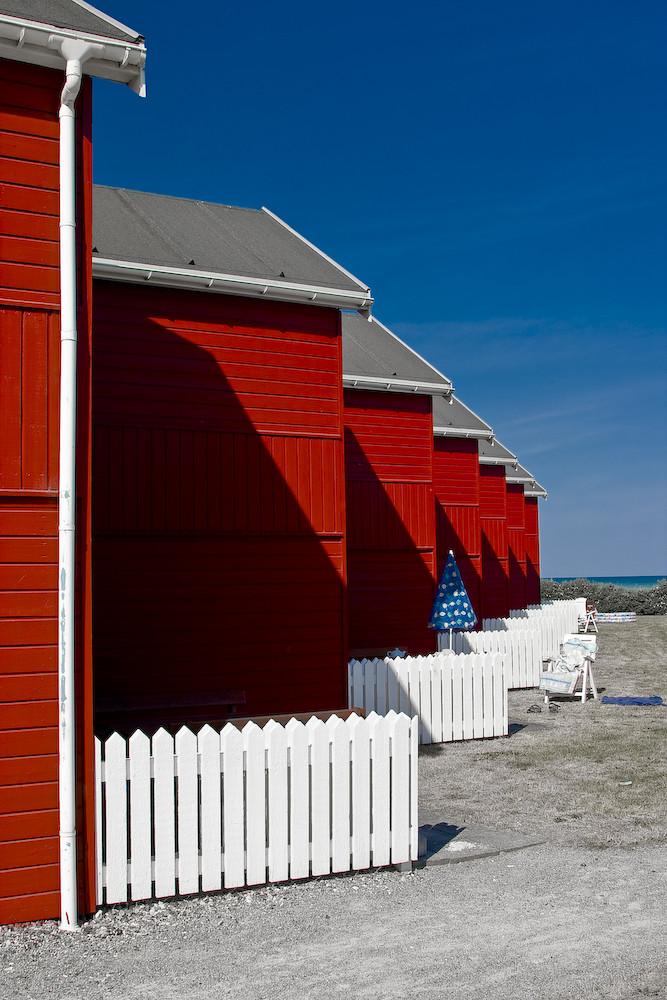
{"x": 555, "y": 921}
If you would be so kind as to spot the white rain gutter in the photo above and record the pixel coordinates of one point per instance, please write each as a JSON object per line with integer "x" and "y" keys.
{"x": 41, "y": 45}
{"x": 229, "y": 284}
{"x": 75, "y": 52}
{"x": 509, "y": 463}
{"x": 392, "y": 384}
{"x": 464, "y": 432}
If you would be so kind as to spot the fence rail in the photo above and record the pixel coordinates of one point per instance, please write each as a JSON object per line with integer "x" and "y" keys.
{"x": 199, "y": 812}
{"x": 455, "y": 697}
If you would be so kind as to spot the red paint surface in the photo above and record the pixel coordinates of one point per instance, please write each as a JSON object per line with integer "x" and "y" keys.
{"x": 218, "y": 504}
{"x": 495, "y": 562}
{"x": 516, "y": 546}
{"x": 532, "y": 551}
{"x": 456, "y": 488}
{"x": 390, "y": 521}
{"x": 29, "y": 368}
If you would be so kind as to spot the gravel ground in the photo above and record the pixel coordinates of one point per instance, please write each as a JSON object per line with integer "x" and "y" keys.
{"x": 555, "y": 921}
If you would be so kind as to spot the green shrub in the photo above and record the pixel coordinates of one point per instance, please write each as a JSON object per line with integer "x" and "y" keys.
{"x": 609, "y": 597}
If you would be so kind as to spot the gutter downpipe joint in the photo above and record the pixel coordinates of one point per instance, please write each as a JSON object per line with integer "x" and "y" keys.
{"x": 75, "y": 53}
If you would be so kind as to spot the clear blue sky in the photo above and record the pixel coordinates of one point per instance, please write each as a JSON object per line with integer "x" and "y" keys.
{"x": 496, "y": 174}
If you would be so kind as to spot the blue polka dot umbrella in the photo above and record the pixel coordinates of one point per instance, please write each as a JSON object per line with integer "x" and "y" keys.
{"x": 452, "y": 608}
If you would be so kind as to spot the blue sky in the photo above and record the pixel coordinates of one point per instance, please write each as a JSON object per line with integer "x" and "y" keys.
{"x": 495, "y": 172}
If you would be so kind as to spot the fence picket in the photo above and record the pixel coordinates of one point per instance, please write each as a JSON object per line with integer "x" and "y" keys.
{"x": 380, "y": 774}
{"x": 425, "y": 700}
{"x": 187, "y": 811}
{"x": 361, "y": 803}
{"x": 164, "y": 797}
{"x": 439, "y": 665}
{"x": 276, "y": 746}
{"x": 253, "y": 745}
{"x": 399, "y": 730}
{"x": 231, "y": 747}
{"x": 299, "y": 800}
{"x": 477, "y": 681}
{"x": 140, "y": 816}
{"x": 319, "y": 797}
{"x": 381, "y": 687}
{"x": 99, "y": 837}
{"x": 340, "y": 793}
{"x": 208, "y": 744}
{"x": 488, "y": 719}
{"x": 446, "y": 698}
{"x": 116, "y": 818}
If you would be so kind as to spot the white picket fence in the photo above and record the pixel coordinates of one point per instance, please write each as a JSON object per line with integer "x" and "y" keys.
{"x": 455, "y": 697}
{"x": 199, "y": 812}
{"x": 553, "y": 619}
{"x": 522, "y": 651}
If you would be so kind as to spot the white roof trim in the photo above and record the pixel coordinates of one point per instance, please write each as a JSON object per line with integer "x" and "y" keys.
{"x": 518, "y": 480}
{"x": 374, "y": 319}
{"x": 317, "y": 250}
{"x": 392, "y": 384}
{"x": 508, "y": 462}
{"x": 464, "y": 432}
{"x": 228, "y": 284}
{"x": 105, "y": 17}
{"x": 39, "y": 44}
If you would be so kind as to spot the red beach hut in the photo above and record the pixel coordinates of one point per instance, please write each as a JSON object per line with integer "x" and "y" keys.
{"x": 493, "y": 461}
{"x": 456, "y": 483}
{"x": 391, "y": 537}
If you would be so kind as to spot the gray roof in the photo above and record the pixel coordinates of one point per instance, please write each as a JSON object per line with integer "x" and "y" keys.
{"x": 452, "y": 415}
{"x": 374, "y": 353}
{"x": 72, "y": 15}
{"x": 519, "y": 474}
{"x": 493, "y": 452}
{"x": 154, "y": 229}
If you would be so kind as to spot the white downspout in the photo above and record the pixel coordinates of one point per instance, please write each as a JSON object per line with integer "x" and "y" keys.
{"x": 75, "y": 53}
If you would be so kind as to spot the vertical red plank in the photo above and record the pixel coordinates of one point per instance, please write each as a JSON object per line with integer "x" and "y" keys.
{"x": 34, "y": 378}
{"x": 213, "y": 496}
{"x": 130, "y": 478}
{"x": 145, "y": 503}
{"x": 53, "y": 401}
{"x": 158, "y": 513}
{"x": 200, "y": 480}
{"x": 10, "y": 398}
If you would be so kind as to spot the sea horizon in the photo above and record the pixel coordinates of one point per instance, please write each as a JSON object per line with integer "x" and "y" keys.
{"x": 629, "y": 582}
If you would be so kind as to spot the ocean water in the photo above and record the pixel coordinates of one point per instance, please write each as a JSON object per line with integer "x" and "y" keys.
{"x": 631, "y": 582}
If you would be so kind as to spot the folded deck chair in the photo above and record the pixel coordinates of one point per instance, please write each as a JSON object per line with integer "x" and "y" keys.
{"x": 587, "y": 615}
{"x": 571, "y": 673}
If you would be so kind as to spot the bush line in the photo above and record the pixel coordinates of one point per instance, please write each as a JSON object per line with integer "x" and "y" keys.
{"x": 608, "y": 596}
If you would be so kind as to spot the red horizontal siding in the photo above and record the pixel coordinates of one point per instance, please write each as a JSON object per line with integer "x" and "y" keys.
{"x": 456, "y": 471}
{"x": 388, "y": 437}
{"x": 515, "y": 506}
{"x": 221, "y": 363}
{"x": 492, "y": 491}
{"x": 29, "y": 708}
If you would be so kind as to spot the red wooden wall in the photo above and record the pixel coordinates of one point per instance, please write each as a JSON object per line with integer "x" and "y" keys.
{"x": 516, "y": 537}
{"x": 29, "y": 368}
{"x": 532, "y": 551}
{"x": 458, "y": 527}
{"x": 493, "y": 515}
{"x": 218, "y": 499}
{"x": 390, "y": 521}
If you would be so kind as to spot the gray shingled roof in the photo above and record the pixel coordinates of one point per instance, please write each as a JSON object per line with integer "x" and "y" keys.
{"x": 455, "y": 415}
{"x": 520, "y": 474}
{"x": 371, "y": 351}
{"x": 161, "y": 230}
{"x": 71, "y": 15}
{"x": 496, "y": 452}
